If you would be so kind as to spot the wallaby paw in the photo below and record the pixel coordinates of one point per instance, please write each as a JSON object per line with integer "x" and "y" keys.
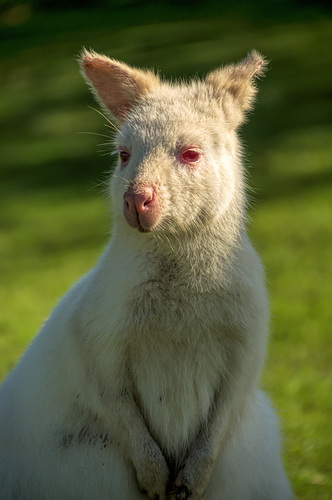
{"x": 180, "y": 489}
{"x": 187, "y": 487}
{"x": 182, "y": 493}
{"x": 152, "y": 473}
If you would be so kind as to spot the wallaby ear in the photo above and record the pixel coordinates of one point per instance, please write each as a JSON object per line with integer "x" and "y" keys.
{"x": 234, "y": 85}
{"x": 116, "y": 85}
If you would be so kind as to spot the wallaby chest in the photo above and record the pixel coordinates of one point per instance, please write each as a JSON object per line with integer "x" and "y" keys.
{"x": 175, "y": 383}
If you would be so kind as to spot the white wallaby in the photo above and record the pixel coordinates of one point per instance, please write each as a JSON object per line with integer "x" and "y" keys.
{"x": 144, "y": 380}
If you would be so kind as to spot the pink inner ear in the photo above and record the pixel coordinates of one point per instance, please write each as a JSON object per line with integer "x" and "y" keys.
{"x": 117, "y": 85}
{"x": 109, "y": 83}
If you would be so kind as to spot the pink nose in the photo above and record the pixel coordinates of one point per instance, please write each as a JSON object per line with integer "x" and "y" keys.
{"x": 139, "y": 201}
{"x": 141, "y": 209}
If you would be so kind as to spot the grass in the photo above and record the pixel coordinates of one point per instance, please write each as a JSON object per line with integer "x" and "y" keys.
{"x": 54, "y": 218}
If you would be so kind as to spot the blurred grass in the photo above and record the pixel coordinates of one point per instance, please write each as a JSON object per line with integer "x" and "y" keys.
{"x": 54, "y": 218}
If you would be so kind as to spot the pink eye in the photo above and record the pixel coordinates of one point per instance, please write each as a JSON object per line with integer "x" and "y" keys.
{"x": 191, "y": 156}
{"x": 124, "y": 157}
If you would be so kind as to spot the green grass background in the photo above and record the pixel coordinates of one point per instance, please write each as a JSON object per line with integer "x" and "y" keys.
{"x": 54, "y": 216}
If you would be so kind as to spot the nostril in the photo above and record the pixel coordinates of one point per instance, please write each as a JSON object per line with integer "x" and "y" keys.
{"x": 147, "y": 201}
{"x": 128, "y": 199}
{"x": 144, "y": 199}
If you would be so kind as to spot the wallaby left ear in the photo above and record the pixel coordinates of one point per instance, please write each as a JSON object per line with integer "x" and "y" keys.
{"x": 234, "y": 85}
{"x": 117, "y": 86}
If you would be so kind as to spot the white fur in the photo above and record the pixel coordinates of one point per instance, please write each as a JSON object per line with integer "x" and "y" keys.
{"x": 146, "y": 374}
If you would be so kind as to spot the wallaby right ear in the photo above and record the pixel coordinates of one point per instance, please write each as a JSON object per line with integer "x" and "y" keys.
{"x": 234, "y": 85}
{"x": 116, "y": 85}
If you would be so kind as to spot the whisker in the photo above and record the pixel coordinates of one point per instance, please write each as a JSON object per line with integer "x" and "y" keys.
{"x": 109, "y": 123}
{"x": 112, "y": 127}
{"x": 105, "y": 144}
{"x": 126, "y": 181}
{"x": 94, "y": 133}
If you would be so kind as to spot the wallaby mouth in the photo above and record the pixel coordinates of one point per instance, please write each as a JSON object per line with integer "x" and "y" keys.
{"x": 144, "y": 230}
{"x": 142, "y": 208}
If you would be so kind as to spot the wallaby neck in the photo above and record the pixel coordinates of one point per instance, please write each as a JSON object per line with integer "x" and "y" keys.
{"x": 185, "y": 256}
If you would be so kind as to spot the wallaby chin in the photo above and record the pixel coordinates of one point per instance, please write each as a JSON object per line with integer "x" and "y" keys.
{"x": 143, "y": 383}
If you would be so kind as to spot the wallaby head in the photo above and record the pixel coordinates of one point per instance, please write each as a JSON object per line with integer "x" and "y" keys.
{"x": 179, "y": 168}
